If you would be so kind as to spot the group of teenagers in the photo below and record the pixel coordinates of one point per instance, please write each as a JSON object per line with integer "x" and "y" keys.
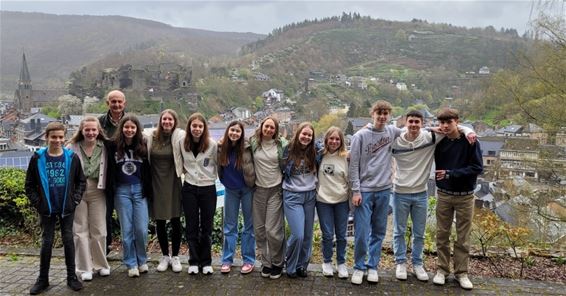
{"x": 164, "y": 172}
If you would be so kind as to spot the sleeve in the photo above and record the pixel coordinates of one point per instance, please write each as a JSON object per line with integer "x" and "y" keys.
{"x": 354, "y": 168}
{"x": 475, "y": 163}
{"x": 80, "y": 180}
{"x": 32, "y": 183}
{"x": 465, "y": 130}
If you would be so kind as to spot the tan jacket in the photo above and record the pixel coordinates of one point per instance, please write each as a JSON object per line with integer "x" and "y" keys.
{"x": 247, "y": 165}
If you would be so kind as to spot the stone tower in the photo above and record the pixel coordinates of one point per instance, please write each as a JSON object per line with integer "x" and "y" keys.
{"x": 24, "y": 91}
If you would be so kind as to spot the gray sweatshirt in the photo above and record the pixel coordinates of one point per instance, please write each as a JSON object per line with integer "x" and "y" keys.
{"x": 370, "y": 159}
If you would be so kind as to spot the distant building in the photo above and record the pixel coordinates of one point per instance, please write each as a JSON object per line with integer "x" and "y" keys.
{"x": 484, "y": 71}
{"x": 26, "y": 98}
{"x": 401, "y": 86}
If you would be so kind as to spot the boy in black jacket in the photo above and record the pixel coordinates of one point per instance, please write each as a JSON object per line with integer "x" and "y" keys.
{"x": 54, "y": 185}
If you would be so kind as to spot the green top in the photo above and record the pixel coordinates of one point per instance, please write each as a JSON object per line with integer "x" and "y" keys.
{"x": 91, "y": 165}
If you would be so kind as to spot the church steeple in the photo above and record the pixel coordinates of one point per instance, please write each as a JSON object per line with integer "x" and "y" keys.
{"x": 24, "y": 72}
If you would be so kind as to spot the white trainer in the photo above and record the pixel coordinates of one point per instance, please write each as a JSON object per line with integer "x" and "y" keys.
{"x": 207, "y": 270}
{"x": 464, "y": 281}
{"x": 401, "y": 272}
{"x": 439, "y": 278}
{"x": 327, "y": 269}
{"x": 372, "y": 276}
{"x": 420, "y": 272}
{"x": 357, "y": 277}
{"x": 133, "y": 272}
{"x": 86, "y": 276}
{"x": 104, "y": 272}
{"x": 342, "y": 271}
{"x": 143, "y": 268}
{"x": 176, "y": 264}
{"x": 164, "y": 262}
{"x": 193, "y": 269}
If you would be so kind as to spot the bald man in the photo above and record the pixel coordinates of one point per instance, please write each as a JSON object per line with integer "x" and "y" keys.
{"x": 116, "y": 101}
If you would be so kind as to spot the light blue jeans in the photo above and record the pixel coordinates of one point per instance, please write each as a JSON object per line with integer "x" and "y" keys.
{"x": 333, "y": 219}
{"x": 232, "y": 201}
{"x": 416, "y": 205}
{"x": 370, "y": 224}
{"x": 134, "y": 218}
{"x": 299, "y": 212}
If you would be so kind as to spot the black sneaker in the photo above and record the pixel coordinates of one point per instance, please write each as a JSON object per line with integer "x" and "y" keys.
{"x": 302, "y": 272}
{"x": 275, "y": 272}
{"x": 39, "y": 286}
{"x": 292, "y": 275}
{"x": 74, "y": 283}
{"x": 265, "y": 272}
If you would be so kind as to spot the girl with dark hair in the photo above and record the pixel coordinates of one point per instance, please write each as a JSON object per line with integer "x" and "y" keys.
{"x": 89, "y": 225}
{"x": 267, "y": 149}
{"x": 299, "y": 193}
{"x": 236, "y": 172}
{"x": 130, "y": 178}
{"x": 199, "y": 153}
{"x": 332, "y": 204}
{"x": 164, "y": 154}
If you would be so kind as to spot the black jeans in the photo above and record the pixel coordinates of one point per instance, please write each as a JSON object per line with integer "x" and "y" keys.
{"x": 175, "y": 236}
{"x": 48, "y": 226}
{"x": 199, "y": 205}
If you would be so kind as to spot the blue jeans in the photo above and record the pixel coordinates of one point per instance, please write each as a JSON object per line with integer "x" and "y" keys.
{"x": 370, "y": 224}
{"x": 404, "y": 204}
{"x": 232, "y": 201}
{"x": 134, "y": 218}
{"x": 299, "y": 212}
{"x": 333, "y": 219}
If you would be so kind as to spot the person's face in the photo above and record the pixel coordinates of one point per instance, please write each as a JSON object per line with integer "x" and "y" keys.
{"x": 333, "y": 142}
{"x": 380, "y": 118}
{"x": 414, "y": 124}
{"x": 167, "y": 122}
{"x": 55, "y": 139}
{"x": 116, "y": 103}
{"x": 305, "y": 136}
{"x": 449, "y": 127}
{"x": 197, "y": 128}
{"x": 90, "y": 131}
{"x": 268, "y": 129}
{"x": 234, "y": 133}
{"x": 129, "y": 130}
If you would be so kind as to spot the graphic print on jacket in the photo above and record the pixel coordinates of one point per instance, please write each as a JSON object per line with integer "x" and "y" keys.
{"x": 129, "y": 168}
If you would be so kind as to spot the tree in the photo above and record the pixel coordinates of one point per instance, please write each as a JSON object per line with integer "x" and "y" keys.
{"x": 326, "y": 121}
{"x": 69, "y": 105}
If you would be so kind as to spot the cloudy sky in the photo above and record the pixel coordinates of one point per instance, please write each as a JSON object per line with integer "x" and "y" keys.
{"x": 264, "y": 16}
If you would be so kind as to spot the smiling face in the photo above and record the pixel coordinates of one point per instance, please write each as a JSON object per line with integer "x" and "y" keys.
{"x": 90, "y": 131}
{"x": 129, "y": 130}
{"x": 333, "y": 142}
{"x": 414, "y": 125}
{"x": 167, "y": 122}
{"x": 55, "y": 140}
{"x": 234, "y": 133}
{"x": 116, "y": 102}
{"x": 380, "y": 118}
{"x": 268, "y": 129}
{"x": 305, "y": 136}
{"x": 197, "y": 128}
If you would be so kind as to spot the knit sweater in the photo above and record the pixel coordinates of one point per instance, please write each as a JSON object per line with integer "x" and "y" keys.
{"x": 202, "y": 169}
{"x": 333, "y": 179}
{"x": 370, "y": 167}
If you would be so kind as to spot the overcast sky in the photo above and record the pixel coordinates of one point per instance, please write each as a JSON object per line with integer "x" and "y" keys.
{"x": 264, "y": 16}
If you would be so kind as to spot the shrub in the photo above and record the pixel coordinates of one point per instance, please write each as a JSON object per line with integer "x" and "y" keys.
{"x": 17, "y": 213}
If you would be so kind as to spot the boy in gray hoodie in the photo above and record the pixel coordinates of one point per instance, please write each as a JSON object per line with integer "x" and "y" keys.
{"x": 370, "y": 174}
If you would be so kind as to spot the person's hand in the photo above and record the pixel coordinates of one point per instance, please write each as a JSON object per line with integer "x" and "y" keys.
{"x": 357, "y": 199}
{"x": 440, "y": 174}
{"x": 472, "y": 137}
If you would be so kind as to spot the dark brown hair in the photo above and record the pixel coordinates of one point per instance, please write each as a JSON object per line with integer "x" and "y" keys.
{"x": 298, "y": 153}
{"x": 138, "y": 142}
{"x": 159, "y": 130}
{"x": 226, "y": 147}
{"x": 204, "y": 138}
{"x": 54, "y": 126}
{"x": 446, "y": 114}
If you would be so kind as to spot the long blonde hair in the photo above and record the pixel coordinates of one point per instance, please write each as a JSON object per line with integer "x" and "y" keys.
{"x": 78, "y": 136}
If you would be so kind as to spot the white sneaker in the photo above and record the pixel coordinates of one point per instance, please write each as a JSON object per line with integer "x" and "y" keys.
{"x": 439, "y": 278}
{"x": 464, "y": 281}
{"x": 86, "y": 276}
{"x": 164, "y": 262}
{"x": 342, "y": 271}
{"x": 133, "y": 272}
{"x": 372, "y": 276}
{"x": 207, "y": 270}
{"x": 420, "y": 273}
{"x": 143, "y": 268}
{"x": 104, "y": 272}
{"x": 176, "y": 264}
{"x": 193, "y": 269}
{"x": 401, "y": 272}
{"x": 357, "y": 277}
{"x": 327, "y": 269}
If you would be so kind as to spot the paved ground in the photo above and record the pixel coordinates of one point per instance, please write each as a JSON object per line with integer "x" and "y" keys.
{"x": 19, "y": 269}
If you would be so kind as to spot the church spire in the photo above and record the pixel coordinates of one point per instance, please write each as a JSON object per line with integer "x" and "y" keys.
{"x": 24, "y": 72}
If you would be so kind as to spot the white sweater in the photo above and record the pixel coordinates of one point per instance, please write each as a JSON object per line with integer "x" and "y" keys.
{"x": 333, "y": 179}
{"x": 200, "y": 171}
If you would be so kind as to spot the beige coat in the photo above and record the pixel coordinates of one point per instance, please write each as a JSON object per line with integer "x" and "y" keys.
{"x": 247, "y": 165}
